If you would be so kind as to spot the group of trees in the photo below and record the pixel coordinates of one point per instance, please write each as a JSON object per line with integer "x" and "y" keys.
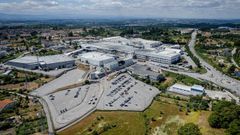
{"x": 10, "y": 56}
{"x": 103, "y": 32}
{"x": 31, "y": 126}
{"x": 230, "y": 37}
{"x": 158, "y": 33}
{"x": 237, "y": 43}
{"x": 194, "y": 58}
{"x": 15, "y": 78}
{"x": 161, "y": 34}
{"x": 236, "y": 56}
{"x": 226, "y": 115}
{"x": 45, "y": 52}
{"x": 128, "y": 32}
{"x": 198, "y": 103}
{"x": 189, "y": 129}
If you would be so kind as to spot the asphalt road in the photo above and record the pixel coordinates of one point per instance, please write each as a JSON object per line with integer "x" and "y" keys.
{"x": 214, "y": 75}
{"x": 51, "y": 130}
{"x": 232, "y": 59}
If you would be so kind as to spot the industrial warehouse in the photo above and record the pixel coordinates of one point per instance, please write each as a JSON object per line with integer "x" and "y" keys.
{"x": 109, "y": 74}
{"x": 143, "y": 49}
{"x": 111, "y": 53}
{"x": 187, "y": 90}
{"x": 44, "y": 62}
{"x": 103, "y": 78}
{"x": 163, "y": 56}
{"x": 96, "y": 58}
{"x": 107, "y": 61}
{"x": 122, "y": 45}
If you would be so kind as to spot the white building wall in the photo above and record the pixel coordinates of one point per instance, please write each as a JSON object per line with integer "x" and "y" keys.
{"x": 159, "y": 58}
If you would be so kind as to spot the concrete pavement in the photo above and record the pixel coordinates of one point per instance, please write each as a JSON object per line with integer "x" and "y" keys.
{"x": 71, "y": 77}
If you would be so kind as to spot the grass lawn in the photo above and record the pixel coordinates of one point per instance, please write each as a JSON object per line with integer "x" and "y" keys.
{"x": 200, "y": 70}
{"x": 162, "y": 117}
{"x": 200, "y": 118}
{"x": 177, "y": 78}
{"x": 126, "y": 123}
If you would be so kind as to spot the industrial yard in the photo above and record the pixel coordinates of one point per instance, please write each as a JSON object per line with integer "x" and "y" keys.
{"x": 130, "y": 78}
{"x": 121, "y": 93}
{"x": 111, "y": 74}
{"x": 126, "y": 93}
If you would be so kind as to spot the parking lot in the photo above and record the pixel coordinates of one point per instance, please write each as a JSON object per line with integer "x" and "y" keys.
{"x": 121, "y": 93}
{"x": 72, "y": 104}
{"x": 71, "y": 77}
{"x": 127, "y": 93}
{"x": 71, "y": 97}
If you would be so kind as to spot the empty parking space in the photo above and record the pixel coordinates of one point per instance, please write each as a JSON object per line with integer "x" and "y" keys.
{"x": 69, "y": 78}
{"x": 72, "y": 104}
{"x": 68, "y": 99}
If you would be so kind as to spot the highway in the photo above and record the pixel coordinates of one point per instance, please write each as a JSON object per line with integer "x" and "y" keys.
{"x": 214, "y": 75}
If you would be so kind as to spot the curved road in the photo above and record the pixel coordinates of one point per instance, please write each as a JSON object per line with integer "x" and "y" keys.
{"x": 212, "y": 74}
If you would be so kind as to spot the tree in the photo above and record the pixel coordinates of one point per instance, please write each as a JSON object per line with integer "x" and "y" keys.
{"x": 214, "y": 120}
{"x": 95, "y": 132}
{"x": 87, "y": 82}
{"x": 189, "y": 129}
{"x": 224, "y": 113}
{"x": 231, "y": 69}
{"x": 75, "y": 47}
{"x": 198, "y": 103}
{"x": 237, "y": 43}
{"x": 70, "y": 34}
{"x": 34, "y": 33}
{"x": 234, "y": 128}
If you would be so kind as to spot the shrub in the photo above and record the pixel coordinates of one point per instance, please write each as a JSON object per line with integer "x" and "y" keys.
{"x": 189, "y": 129}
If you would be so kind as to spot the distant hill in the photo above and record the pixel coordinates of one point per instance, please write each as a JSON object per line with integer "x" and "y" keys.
{"x": 122, "y": 19}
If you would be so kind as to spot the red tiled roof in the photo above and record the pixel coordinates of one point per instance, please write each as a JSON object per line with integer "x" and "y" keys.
{"x": 5, "y": 102}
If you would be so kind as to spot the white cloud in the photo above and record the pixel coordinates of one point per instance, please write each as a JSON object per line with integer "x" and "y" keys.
{"x": 140, "y": 8}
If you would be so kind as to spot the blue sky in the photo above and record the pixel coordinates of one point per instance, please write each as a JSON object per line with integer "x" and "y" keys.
{"x": 217, "y": 9}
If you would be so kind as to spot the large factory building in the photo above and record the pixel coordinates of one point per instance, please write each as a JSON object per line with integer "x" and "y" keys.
{"x": 44, "y": 62}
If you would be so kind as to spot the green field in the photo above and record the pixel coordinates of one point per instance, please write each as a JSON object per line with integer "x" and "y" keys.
{"x": 163, "y": 117}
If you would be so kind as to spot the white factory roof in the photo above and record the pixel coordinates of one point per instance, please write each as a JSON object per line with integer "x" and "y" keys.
{"x": 186, "y": 90}
{"x": 122, "y": 44}
{"x": 198, "y": 87}
{"x": 111, "y": 46}
{"x": 181, "y": 86}
{"x": 116, "y": 39}
{"x": 173, "y": 50}
{"x": 162, "y": 53}
{"x": 46, "y": 59}
{"x": 96, "y": 56}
